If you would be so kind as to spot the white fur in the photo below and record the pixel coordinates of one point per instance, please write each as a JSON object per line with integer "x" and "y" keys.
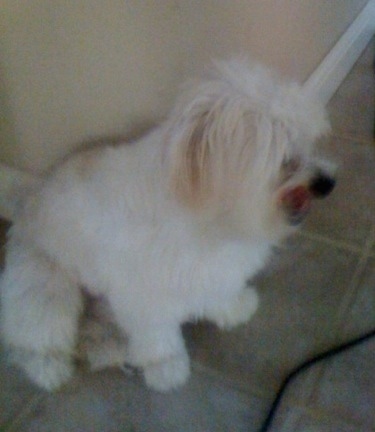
{"x": 166, "y": 230}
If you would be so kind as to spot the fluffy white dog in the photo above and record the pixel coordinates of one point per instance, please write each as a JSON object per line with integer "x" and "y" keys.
{"x": 164, "y": 230}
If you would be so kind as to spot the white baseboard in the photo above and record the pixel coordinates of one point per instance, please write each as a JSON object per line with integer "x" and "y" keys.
{"x": 332, "y": 71}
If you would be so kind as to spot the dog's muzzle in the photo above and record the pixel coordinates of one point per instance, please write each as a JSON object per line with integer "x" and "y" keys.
{"x": 296, "y": 200}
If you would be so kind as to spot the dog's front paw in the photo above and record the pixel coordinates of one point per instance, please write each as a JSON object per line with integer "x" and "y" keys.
{"x": 239, "y": 311}
{"x": 167, "y": 374}
{"x": 48, "y": 371}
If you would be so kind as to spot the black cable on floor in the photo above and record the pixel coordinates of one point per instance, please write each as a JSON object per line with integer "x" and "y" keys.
{"x": 305, "y": 365}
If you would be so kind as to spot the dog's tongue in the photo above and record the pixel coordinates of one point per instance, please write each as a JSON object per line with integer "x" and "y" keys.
{"x": 296, "y": 202}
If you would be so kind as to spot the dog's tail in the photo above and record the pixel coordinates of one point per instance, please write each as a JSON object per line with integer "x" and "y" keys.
{"x": 14, "y": 186}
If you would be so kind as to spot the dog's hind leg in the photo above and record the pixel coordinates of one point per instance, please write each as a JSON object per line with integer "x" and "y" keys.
{"x": 161, "y": 353}
{"x": 156, "y": 346}
{"x": 100, "y": 341}
{"x": 39, "y": 318}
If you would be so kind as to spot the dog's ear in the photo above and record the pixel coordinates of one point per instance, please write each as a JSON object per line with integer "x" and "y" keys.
{"x": 191, "y": 158}
{"x": 200, "y": 139}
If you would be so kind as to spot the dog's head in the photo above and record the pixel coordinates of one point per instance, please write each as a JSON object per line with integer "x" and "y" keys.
{"x": 241, "y": 149}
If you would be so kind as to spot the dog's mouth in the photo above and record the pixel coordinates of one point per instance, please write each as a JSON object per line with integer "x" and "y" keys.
{"x": 296, "y": 202}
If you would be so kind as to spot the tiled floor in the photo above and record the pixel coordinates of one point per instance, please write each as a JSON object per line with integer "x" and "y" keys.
{"x": 318, "y": 291}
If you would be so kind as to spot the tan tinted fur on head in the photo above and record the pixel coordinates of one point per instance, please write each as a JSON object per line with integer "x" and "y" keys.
{"x": 191, "y": 179}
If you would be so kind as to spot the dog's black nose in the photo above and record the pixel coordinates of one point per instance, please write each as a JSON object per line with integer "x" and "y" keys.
{"x": 322, "y": 185}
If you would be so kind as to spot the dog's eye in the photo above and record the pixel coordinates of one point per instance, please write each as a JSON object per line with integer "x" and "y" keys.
{"x": 290, "y": 166}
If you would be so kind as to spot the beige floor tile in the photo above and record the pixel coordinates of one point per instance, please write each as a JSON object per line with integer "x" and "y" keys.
{"x": 347, "y": 388}
{"x": 341, "y": 388}
{"x": 15, "y": 392}
{"x": 361, "y": 317}
{"x": 111, "y": 402}
{"x": 352, "y": 108}
{"x": 286, "y": 419}
{"x": 348, "y": 213}
{"x": 298, "y": 420}
{"x": 299, "y": 296}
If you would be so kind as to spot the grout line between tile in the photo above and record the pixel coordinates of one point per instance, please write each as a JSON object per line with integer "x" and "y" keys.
{"x": 24, "y": 412}
{"x": 331, "y": 242}
{"x": 344, "y": 306}
{"x": 234, "y": 384}
{"x": 320, "y": 414}
{"x": 363, "y": 254}
{"x": 356, "y": 279}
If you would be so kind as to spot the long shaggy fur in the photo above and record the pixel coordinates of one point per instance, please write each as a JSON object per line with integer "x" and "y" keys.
{"x": 163, "y": 230}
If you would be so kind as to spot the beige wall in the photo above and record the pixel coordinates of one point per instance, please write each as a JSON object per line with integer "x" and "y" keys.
{"x": 75, "y": 70}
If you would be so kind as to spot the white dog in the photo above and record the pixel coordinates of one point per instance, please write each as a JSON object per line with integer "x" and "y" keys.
{"x": 164, "y": 230}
